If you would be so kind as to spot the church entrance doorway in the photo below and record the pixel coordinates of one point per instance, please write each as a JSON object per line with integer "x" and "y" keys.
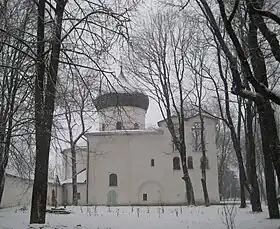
{"x": 112, "y": 198}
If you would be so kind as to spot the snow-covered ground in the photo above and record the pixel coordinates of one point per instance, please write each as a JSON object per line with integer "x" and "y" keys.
{"x": 142, "y": 218}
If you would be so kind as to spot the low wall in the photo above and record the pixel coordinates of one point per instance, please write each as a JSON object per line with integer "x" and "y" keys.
{"x": 18, "y": 191}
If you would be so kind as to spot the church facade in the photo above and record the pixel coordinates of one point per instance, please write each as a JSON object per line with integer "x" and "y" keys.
{"x": 126, "y": 164}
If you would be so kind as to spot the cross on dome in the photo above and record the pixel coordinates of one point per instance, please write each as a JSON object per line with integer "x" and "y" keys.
{"x": 119, "y": 92}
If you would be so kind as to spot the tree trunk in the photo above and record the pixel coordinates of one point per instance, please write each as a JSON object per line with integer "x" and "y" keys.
{"x": 2, "y": 169}
{"x": 260, "y": 170}
{"x": 270, "y": 140}
{"x": 74, "y": 177}
{"x": 189, "y": 187}
{"x": 262, "y": 191}
{"x": 273, "y": 208}
{"x": 242, "y": 192}
{"x": 39, "y": 194}
{"x": 3, "y": 164}
{"x": 203, "y": 167}
{"x": 2, "y": 185}
{"x": 181, "y": 147}
{"x": 204, "y": 189}
{"x": 251, "y": 160}
{"x": 255, "y": 196}
{"x": 236, "y": 145}
{"x": 273, "y": 139}
{"x": 249, "y": 136}
{"x": 234, "y": 136}
{"x": 45, "y": 91}
{"x": 264, "y": 105}
{"x": 266, "y": 118}
{"x": 242, "y": 173}
{"x": 186, "y": 177}
{"x": 40, "y": 186}
{"x": 221, "y": 186}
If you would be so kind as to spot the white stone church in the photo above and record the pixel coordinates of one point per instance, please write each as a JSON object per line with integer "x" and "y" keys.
{"x": 126, "y": 164}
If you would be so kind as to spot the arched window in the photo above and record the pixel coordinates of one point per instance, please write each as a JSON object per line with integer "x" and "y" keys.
{"x": 174, "y": 147}
{"x": 119, "y": 125}
{"x": 190, "y": 162}
{"x": 136, "y": 126}
{"x": 113, "y": 180}
{"x": 205, "y": 164}
{"x": 176, "y": 163}
{"x": 152, "y": 162}
{"x": 196, "y": 134}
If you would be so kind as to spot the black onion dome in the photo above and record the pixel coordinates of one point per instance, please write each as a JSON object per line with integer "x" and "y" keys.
{"x": 121, "y": 93}
{"x": 118, "y": 99}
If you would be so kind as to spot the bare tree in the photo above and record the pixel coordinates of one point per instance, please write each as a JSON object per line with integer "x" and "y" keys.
{"x": 158, "y": 64}
{"x": 15, "y": 77}
{"x": 251, "y": 157}
{"x": 45, "y": 88}
{"x": 195, "y": 61}
{"x": 225, "y": 161}
{"x": 260, "y": 84}
{"x": 74, "y": 105}
{"x": 203, "y": 70}
{"x": 235, "y": 132}
{"x": 82, "y": 17}
{"x": 256, "y": 75}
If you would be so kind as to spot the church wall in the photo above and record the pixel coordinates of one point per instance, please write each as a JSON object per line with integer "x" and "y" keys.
{"x": 81, "y": 158}
{"x": 59, "y": 194}
{"x": 127, "y": 115}
{"x": 110, "y": 156}
{"x": 211, "y": 153}
{"x": 130, "y": 158}
{"x": 68, "y": 195}
{"x": 161, "y": 178}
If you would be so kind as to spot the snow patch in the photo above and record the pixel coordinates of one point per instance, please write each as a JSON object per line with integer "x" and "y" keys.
{"x": 101, "y": 217}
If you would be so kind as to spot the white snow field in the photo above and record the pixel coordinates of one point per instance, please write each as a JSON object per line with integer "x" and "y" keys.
{"x": 173, "y": 217}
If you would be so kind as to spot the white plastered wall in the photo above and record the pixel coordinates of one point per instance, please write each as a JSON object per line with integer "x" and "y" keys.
{"x": 81, "y": 162}
{"x": 18, "y": 191}
{"x": 68, "y": 195}
{"x": 129, "y": 157}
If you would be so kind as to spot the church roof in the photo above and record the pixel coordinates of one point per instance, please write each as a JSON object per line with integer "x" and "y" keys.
{"x": 79, "y": 148}
{"x": 119, "y": 92}
{"x": 119, "y": 99}
{"x": 190, "y": 117}
{"x": 81, "y": 177}
{"x": 157, "y": 131}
